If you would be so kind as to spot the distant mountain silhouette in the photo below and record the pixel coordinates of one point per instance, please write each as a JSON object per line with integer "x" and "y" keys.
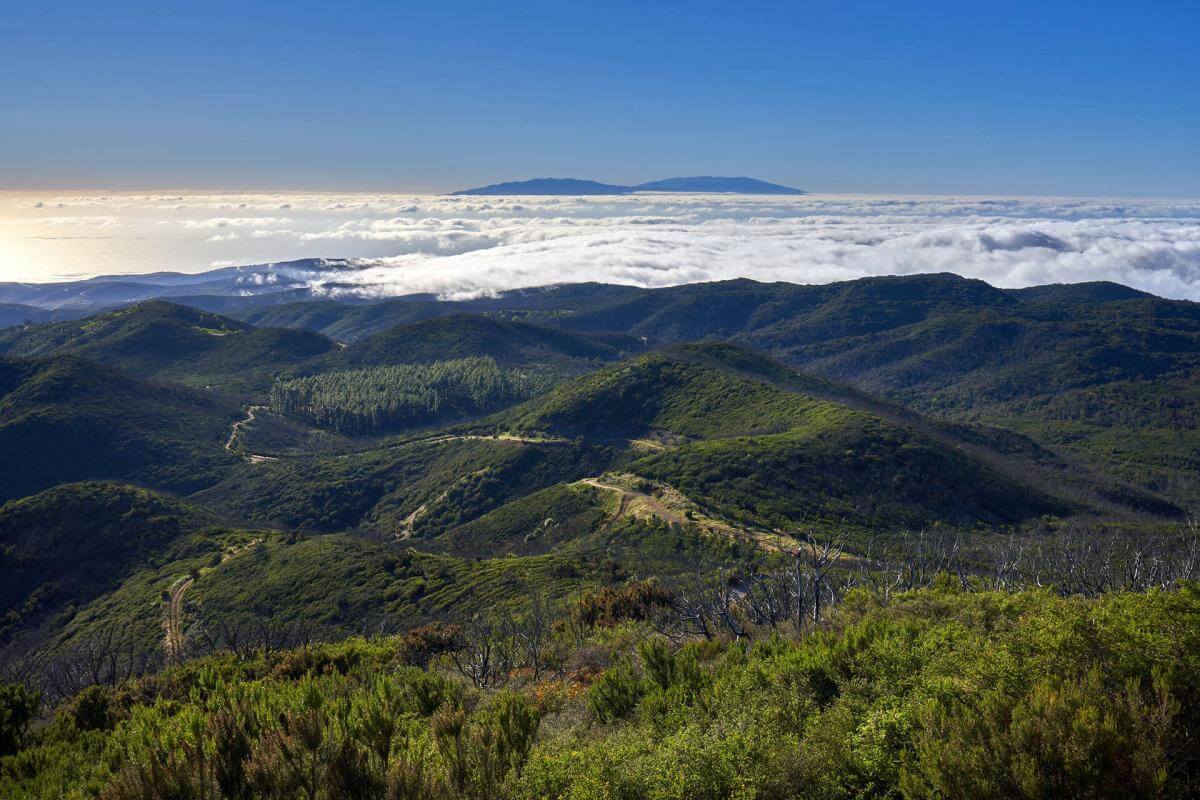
{"x": 550, "y": 186}
{"x": 705, "y": 183}
{"x": 709, "y": 183}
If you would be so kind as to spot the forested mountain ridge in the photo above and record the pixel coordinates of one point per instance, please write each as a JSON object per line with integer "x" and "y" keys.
{"x": 394, "y": 398}
{"x": 707, "y": 462}
{"x": 69, "y": 544}
{"x": 65, "y": 419}
{"x": 510, "y": 343}
{"x": 165, "y": 341}
{"x": 1076, "y": 366}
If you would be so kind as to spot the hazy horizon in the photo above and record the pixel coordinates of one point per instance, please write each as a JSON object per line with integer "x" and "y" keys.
{"x": 1022, "y": 144}
{"x": 456, "y": 246}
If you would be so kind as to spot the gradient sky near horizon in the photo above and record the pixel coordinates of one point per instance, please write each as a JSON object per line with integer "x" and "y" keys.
{"x": 1045, "y": 98}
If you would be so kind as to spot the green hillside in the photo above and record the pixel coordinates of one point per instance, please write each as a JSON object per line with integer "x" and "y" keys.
{"x": 939, "y": 343}
{"x": 956, "y": 347}
{"x": 1035, "y": 359}
{"x": 161, "y": 340}
{"x": 906, "y": 537}
{"x": 935, "y": 693}
{"x": 464, "y": 335}
{"x": 341, "y": 584}
{"x": 63, "y": 419}
{"x": 743, "y": 437}
{"x": 701, "y": 391}
{"x": 402, "y": 488}
{"x": 66, "y": 546}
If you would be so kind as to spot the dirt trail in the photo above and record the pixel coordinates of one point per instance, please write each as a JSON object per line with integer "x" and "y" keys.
{"x": 646, "y": 444}
{"x": 237, "y": 429}
{"x": 647, "y": 502}
{"x": 495, "y": 437}
{"x": 173, "y": 624}
{"x": 173, "y": 641}
{"x": 635, "y": 503}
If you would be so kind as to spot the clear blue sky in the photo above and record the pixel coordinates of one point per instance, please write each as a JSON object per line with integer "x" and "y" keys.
{"x": 1022, "y": 97}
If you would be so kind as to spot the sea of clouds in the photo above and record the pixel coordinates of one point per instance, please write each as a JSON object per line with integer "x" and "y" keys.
{"x": 467, "y": 246}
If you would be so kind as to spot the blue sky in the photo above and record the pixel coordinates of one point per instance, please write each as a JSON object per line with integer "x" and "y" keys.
{"x": 1074, "y": 98}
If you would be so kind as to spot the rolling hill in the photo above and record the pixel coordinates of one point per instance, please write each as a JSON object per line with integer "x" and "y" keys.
{"x": 1048, "y": 361}
{"x": 765, "y": 446}
{"x": 165, "y": 341}
{"x": 434, "y": 371}
{"x": 403, "y": 486}
{"x": 66, "y": 546}
{"x": 675, "y": 472}
{"x": 675, "y": 425}
{"x": 509, "y": 343}
{"x": 741, "y": 437}
{"x": 64, "y": 419}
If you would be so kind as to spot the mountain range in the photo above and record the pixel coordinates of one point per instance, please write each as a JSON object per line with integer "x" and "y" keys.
{"x": 575, "y": 186}
{"x": 196, "y": 489}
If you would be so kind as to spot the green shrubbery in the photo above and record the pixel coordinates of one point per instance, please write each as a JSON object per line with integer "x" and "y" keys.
{"x": 937, "y": 693}
{"x": 18, "y": 706}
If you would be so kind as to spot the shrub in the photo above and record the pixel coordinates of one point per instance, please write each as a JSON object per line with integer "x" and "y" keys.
{"x": 18, "y": 707}
{"x": 616, "y": 693}
{"x": 419, "y": 645}
{"x": 611, "y": 605}
{"x": 92, "y": 709}
{"x": 658, "y": 662}
{"x": 1064, "y": 737}
{"x": 481, "y": 754}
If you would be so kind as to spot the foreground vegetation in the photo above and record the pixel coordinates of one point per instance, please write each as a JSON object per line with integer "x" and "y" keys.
{"x": 941, "y": 692}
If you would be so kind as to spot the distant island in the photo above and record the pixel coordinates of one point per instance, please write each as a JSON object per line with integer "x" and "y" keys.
{"x": 698, "y": 184}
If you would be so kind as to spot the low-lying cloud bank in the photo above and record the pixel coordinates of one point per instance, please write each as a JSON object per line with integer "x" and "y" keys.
{"x": 465, "y": 246}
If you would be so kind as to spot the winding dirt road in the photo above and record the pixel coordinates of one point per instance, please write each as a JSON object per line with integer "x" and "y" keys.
{"x": 173, "y": 640}
{"x": 237, "y": 429}
{"x": 495, "y": 437}
{"x": 635, "y": 503}
{"x": 173, "y": 623}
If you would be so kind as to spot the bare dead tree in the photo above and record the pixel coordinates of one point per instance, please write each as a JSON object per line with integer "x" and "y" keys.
{"x": 769, "y": 600}
{"x": 819, "y": 558}
{"x": 487, "y": 654}
{"x": 250, "y": 634}
{"x": 533, "y": 632}
{"x": 706, "y": 603}
{"x": 111, "y": 654}
{"x": 1005, "y": 563}
{"x": 913, "y": 562}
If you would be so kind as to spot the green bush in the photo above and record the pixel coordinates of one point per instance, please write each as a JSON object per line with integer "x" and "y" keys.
{"x": 18, "y": 707}
{"x": 939, "y": 693}
{"x": 1064, "y": 737}
{"x": 616, "y": 693}
{"x": 92, "y": 709}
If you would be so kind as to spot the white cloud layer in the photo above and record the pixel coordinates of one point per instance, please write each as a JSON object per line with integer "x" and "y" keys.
{"x": 463, "y": 246}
